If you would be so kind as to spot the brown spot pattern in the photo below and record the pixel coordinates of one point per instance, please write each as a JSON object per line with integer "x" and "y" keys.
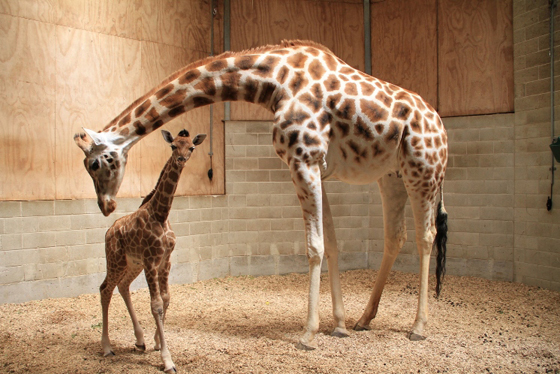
{"x": 367, "y": 88}
{"x": 207, "y": 86}
{"x": 142, "y": 108}
{"x": 362, "y": 130}
{"x": 189, "y": 76}
{"x": 351, "y": 89}
{"x": 316, "y": 69}
{"x": 298, "y": 82}
{"x": 230, "y": 82}
{"x": 297, "y": 61}
{"x": 374, "y": 112}
{"x": 331, "y": 62}
{"x": 125, "y": 120}
{"x": 332, "y": 83}
{"x": 245, "y": 62}
{"x": 216, "y": 65}
{"x": 175, "y": 99}
{"x": 164, "y": 91}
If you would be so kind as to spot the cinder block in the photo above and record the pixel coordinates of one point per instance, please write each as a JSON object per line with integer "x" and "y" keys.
{"x": 10, "y": 209}
{"x": 37, "y": 208}
{"x": 293, "y": 264}
{"x": 39, "y": 240}
{"x": 64, "y": 238}
{"x": 69, "y": 207}
{"x": 12, "y": 274}
{"x": 262, "y": 265}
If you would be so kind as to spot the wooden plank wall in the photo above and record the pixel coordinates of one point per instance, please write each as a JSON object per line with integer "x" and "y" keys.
{"x": 77, "y": 64}
{"x": 336, "y": 24}
{"x": 404, "y": 45}
{"x": 475, "y": 57}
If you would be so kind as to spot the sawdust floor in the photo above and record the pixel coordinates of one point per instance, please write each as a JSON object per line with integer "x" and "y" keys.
{"x": 250, "y": 325}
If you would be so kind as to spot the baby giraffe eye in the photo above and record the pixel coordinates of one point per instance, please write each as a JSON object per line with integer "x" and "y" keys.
{"x": 173, "y": 147}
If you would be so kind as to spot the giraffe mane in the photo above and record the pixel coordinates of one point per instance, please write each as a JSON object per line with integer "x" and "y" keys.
{"x": 198, "y": 63}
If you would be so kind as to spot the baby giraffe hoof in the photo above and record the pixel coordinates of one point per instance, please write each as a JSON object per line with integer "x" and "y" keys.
{"x": 359, "y": 327}
{"x": 140, "y": 347}
{"x": 415, "y": 337}
{"x": 109, "y": 354}
{"x": 340, "y": 333}
{"x": 306, "y": 346}
{"x": 171, "y": 370}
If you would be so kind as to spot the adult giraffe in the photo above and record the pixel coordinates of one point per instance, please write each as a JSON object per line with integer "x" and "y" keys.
{"x": 331, "y": 121}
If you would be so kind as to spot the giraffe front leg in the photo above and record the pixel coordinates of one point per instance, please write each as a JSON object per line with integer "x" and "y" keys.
{"x": 158, "y": 312}
{"x": 331, "y": 253}
{"x": 307, "y": 181}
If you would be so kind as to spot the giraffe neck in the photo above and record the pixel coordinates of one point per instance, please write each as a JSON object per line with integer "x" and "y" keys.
{"x": 254, "y": 77}
{"x": 159, "y": 201}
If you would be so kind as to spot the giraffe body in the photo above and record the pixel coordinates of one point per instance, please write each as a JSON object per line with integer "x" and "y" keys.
{"x": 144, "y": 240}
{"x": 330, "y": 121}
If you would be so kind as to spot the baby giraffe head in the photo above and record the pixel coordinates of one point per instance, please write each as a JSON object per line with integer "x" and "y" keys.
{"x": 182, "y": 146}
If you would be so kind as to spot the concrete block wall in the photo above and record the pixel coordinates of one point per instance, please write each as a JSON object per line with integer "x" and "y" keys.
{"x": 536, "y": 230}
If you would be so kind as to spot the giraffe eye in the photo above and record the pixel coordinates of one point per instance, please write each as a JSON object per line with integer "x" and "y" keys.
{"x": 173, "y": 147}
{"x": 94, "y": 165}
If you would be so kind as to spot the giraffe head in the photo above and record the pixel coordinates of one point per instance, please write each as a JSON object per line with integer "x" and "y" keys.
{"x": 182, "y": 145}
{"x": 106, "y": 156}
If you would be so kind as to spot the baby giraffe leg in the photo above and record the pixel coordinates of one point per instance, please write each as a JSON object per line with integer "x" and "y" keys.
{"x": 115, "y": 272}
{"x": 158, "y": 313}
{"x": 124, "y": 290}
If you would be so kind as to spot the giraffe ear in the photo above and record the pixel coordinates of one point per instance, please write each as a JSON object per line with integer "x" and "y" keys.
{"x": 97, "y": 140}
{"x": 199, "y": 139}
{"x": 167, "y": 136}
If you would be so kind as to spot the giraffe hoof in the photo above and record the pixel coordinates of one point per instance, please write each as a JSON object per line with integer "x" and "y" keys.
{"x": 171, "y": 370}
{"x": 359, "y": 327}
{"x": 306, "y": 346}
{"x": 415, "y": 337}
{"x": 140, "y": 347}
{"x": 109, "y": 354}
{"x": 340, "y": 332}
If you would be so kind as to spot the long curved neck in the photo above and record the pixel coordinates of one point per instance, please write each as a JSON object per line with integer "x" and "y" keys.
{"x": 159, "y": 201}
{"x": 255, "y": 78}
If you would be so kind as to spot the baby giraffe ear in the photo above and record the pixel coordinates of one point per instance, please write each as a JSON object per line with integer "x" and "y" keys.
{"x": 199, "y": 139}
{"x": 167, "y": 136}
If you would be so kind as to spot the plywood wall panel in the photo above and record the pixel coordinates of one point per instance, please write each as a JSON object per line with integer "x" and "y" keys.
{"x": 336, "y": 24}
{"x": 404, "y": 45}
{"x": 184, "y": 23}
{"x": 119, "y": 18}
{"x": 38, "y": 10}
{"x": 475, "y": 57}
{"x": 27, "y": 79}
{"x": 157, "y": 63}
{"x": 97, "y": 77}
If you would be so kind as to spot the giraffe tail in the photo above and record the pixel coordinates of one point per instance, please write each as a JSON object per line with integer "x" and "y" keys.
{"x": 441, "y": 243}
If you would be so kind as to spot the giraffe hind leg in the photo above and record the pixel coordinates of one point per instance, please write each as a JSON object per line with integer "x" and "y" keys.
{"x": 393, "y": 196}
{"x": 331, "y": 253}
{"x": 115, "y": 272}
{"x": 124, "y": 289}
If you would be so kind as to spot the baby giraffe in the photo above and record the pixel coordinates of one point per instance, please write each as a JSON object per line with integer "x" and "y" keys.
{"x": 143, "y": 240}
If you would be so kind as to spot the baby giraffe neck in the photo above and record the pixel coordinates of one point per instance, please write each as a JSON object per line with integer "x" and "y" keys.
{"x": 159, "y": 201}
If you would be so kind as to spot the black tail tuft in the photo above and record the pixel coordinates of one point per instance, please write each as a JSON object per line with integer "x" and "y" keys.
{"x": 441, "y": 244}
